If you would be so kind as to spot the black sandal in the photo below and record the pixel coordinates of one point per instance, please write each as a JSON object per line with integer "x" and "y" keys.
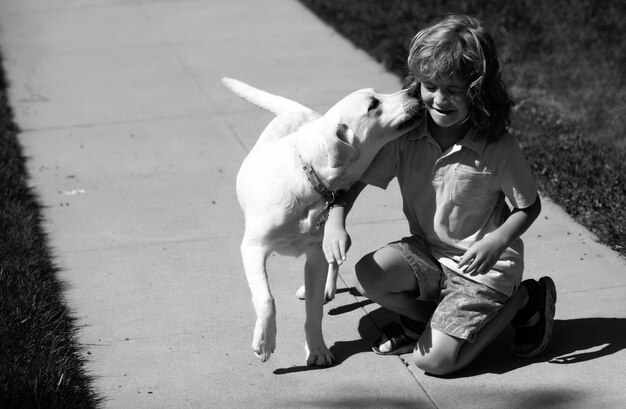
{"x": 532, "y": 340}
{"x": 401, "y": 343}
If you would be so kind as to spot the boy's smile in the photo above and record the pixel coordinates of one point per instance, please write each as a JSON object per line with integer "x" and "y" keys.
{"x": 445, "y": 101}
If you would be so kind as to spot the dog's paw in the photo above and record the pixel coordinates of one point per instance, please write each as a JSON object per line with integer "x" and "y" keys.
{"x": 319, "y": 356}
{"x": 263, "y": 352}
{"x": 264, "y": 341}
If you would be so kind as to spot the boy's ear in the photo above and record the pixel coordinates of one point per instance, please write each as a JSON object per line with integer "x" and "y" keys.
{"x": 341, "y": 150}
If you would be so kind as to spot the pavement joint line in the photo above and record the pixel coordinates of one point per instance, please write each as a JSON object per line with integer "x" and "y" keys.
{"x": 56, "y": 8}
{"x": 170, "y": 47}
{"x": 402, "y": 361}
{"x": 369, "y": 222}
{"x": 151, "y": 244}
{"x": 219, "y": 113}
{"x": 116, "y": 123}
{"x": 233, "y": 132}
{"x": 196, "y": 240}
{"x": 593, "y": 289}
{"x": 424, "y": 391}
{"x": 109, "y": 342}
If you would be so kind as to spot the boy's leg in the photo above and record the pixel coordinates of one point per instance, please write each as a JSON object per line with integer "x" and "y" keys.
{"x": 440, "y": 354}
{"x": 402, "y": 277}
{"x": 385, "y": 277}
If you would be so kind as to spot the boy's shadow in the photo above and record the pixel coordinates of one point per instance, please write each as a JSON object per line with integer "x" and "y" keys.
{"x": 573, "y": 341}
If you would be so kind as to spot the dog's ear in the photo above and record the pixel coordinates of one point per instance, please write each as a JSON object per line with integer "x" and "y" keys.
{"x": 341, "y": 150}
{"x": 345, "y": 133}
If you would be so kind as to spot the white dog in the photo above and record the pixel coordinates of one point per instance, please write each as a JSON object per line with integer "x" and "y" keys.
{"x": 287, "y": 184}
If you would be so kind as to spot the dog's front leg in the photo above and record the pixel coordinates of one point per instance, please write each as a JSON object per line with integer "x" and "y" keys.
{"x": 254, "y": 257}
{"x": 315, "y": 271}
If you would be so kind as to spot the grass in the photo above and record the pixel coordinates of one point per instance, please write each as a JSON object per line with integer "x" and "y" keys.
{"x": 563, "y": 62}
{"x": 40, "y": 360}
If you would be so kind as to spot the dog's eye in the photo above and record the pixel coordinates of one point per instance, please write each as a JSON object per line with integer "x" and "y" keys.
{"x": 374, "y": 104}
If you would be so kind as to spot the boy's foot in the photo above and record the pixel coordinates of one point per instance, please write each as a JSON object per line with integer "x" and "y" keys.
{"x": 534, "y": 322}
{"x": 399, "y": 339}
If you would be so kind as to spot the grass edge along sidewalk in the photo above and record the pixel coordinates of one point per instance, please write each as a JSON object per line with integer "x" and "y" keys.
{"x": 40, "y": 360}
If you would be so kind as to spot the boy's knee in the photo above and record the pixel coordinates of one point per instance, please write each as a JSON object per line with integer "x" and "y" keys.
{"x": 434, "y": 363}
{"x": 367, "y": 274}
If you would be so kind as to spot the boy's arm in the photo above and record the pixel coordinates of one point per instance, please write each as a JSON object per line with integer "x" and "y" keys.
{"x": 483, "y": 255}
{"x": 336, "y": 242}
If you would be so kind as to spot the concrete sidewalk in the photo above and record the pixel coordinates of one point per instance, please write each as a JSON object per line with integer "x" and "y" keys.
{"x": 134, "y": 145}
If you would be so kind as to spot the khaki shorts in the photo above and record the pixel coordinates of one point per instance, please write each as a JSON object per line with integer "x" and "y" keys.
{"x": 427, "y": 270}
{"x": 463, "y": 306}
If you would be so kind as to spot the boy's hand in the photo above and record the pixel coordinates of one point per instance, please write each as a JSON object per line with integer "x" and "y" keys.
{"x": 482, "y": 256}
{"x": 336, "y": 243}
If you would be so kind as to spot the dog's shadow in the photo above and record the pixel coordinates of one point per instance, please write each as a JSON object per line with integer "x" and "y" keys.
{"x": 367, "y": 328}
{"x": 574, "y": 341}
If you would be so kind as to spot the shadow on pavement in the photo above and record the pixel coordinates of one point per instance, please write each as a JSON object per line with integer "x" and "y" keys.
{"x": 368, "y": 330}
{"x": 363, "y": 402}
{"x": 573, "y": 341}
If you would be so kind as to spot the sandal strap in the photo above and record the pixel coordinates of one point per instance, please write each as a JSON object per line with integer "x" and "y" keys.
{"x": 399, "y": 341}
{"x": 394, "y": 333}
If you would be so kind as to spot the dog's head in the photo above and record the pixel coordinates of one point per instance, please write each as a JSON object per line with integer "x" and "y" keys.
{"x": 360, "y": 124}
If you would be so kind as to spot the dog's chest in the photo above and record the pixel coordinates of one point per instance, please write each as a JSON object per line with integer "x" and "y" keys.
{"x": 313, "y": 219}
{"x": 306, "y": 232}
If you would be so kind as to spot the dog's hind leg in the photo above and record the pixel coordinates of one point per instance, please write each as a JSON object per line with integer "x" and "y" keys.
{"x": 254, "y": 261}
{"x": 331, "y": 284}
{"x": 317, "y": 352}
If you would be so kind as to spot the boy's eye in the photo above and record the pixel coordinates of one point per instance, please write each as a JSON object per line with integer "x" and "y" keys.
{"x": 374, "y": 104}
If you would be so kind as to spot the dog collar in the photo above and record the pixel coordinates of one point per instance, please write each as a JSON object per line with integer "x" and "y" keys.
{"x": 317, "y": 184}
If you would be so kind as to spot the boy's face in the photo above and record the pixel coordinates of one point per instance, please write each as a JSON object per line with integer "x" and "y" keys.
{"x": 445, "y": 100}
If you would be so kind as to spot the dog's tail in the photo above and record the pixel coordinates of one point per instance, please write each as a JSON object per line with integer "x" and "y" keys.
{"x": 270, "y": 102}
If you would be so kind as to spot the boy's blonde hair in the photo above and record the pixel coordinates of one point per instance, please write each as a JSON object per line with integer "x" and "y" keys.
{"x": 458, "y": 46}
